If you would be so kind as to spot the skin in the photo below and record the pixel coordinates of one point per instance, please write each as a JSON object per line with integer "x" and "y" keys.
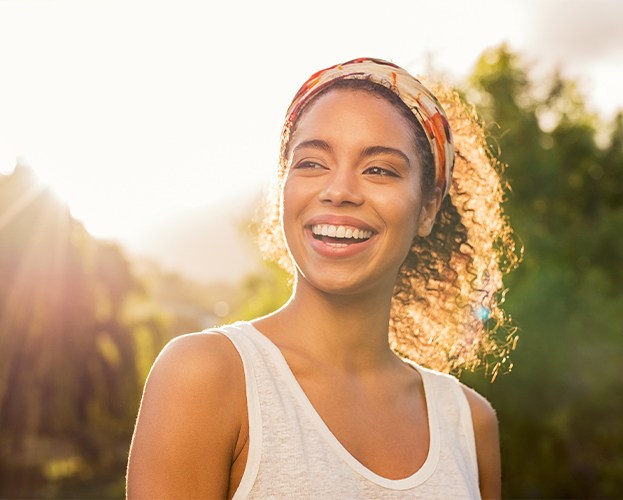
{"x": 351, "y": 155}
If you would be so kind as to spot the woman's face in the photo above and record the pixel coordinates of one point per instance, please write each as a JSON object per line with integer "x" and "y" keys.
{"x": 352, "y": 197}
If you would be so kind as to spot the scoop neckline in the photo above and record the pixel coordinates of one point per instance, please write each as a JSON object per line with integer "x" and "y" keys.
{"x": 418, "y": 477}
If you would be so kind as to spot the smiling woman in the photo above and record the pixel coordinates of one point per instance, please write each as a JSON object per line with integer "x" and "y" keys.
{"x": 395, "y": 248}
{"x": 369, "y": 182}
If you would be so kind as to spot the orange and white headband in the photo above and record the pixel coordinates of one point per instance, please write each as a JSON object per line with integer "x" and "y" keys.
{"x": 422, "y": 103}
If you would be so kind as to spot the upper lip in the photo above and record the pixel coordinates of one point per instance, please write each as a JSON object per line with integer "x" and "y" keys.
{"x": 340, "y": 220}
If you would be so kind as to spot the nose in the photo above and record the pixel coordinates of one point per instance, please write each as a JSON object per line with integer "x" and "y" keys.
{"x": 341, "y": 188}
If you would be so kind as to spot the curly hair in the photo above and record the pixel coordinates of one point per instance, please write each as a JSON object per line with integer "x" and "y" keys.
{"x": 446, "y": 309}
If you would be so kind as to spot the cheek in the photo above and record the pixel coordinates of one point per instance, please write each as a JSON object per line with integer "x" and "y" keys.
{"x": 407, "y": 210}
{"x": 296, "y": 194}
{"x": 293, "y": 199}
{"x": 288, "y": 199}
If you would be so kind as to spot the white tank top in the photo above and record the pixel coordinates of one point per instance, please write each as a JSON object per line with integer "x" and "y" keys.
{"x": 293, "y": 454}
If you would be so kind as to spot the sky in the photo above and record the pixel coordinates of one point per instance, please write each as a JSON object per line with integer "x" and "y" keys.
{"x": 136, "y": 110}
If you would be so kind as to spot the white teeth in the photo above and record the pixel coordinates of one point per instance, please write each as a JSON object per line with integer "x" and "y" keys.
{"x": 340, "y": 232}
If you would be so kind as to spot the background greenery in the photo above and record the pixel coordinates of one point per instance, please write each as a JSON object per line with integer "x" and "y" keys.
{"x": 80, "y": 324}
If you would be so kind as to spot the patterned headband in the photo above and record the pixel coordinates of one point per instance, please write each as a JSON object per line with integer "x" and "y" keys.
{"x": 422, "y": 103}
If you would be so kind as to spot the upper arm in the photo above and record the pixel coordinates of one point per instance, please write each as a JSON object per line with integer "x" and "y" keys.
{"x": 487, "y": 444}
{"x": 189, "y": 421}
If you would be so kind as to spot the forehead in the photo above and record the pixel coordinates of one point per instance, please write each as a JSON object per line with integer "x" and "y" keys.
{"x": 347, "y": 115}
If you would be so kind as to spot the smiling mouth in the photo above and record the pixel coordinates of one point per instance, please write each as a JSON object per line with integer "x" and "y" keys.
{"x": 340, "y": 236}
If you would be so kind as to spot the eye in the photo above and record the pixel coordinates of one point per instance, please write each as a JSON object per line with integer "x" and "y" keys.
{"x": 380, "y": 171}
{"x": 307, "y": 164}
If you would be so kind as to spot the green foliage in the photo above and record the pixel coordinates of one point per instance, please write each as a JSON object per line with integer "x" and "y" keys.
{"x": 262, "y": 292}
{"x": 560, "y": 406}
{"x": 188, "y": 306}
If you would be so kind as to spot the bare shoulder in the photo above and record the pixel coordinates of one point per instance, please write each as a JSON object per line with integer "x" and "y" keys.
{"x": 487, "y": 438}
{"x": 207, "y": 360}
{"x": 189, "y": 421}
{"x": 483, "y": 413}
{"x": 198, "y": 367}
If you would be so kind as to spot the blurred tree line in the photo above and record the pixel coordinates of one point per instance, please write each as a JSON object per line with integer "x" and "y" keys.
{"x": 560, "y": 408}
{"x": 80, "y": 324}
{"x": 79, "y": 329}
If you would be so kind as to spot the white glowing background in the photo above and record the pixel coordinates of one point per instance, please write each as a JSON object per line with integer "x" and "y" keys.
{"x": 134, "y": 110}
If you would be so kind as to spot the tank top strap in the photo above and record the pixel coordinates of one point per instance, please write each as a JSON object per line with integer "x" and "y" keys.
{"x": 454, "y": 413}
{"x": 255, "y": 372}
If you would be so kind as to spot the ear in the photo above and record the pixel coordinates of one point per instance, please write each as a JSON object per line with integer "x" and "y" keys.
{"x": 428, "y": 213}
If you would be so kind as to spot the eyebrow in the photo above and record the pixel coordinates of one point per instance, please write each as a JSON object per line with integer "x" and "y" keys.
{"x": 375, "y": 150}
{"x": 313, "y": 143}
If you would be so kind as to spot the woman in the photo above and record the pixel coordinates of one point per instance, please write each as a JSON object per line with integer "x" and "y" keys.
{"x": 312, "y": 401}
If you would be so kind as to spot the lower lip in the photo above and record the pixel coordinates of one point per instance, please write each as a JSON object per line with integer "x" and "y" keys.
{"x": 327, "y": 250}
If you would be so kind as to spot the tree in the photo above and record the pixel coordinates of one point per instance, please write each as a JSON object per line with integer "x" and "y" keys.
{"x": 69, "y": 376}
{"x": 559, "y": 406}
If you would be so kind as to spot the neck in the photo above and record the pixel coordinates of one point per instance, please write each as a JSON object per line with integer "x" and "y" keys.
{"x": 339, "y": 330}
